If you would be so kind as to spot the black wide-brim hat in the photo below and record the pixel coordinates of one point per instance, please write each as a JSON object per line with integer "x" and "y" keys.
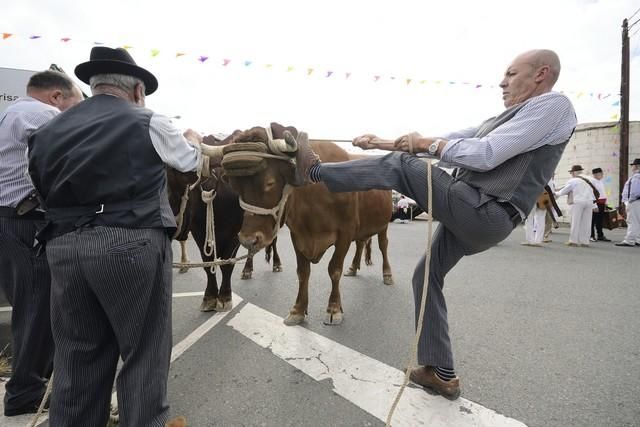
{"x": 576, "y": 168}
{"x": 104, "y": 60}
{"x": 636, "y": 162}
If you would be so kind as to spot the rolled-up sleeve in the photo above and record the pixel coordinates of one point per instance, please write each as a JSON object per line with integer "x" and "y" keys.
{"x": 546, "y": 120}
{"x": 172, "y": 147}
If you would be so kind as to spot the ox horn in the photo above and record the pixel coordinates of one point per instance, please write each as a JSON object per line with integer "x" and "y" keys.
{"x": 290, "y": 141}
{"x": 281, "y": 146}
{"x": 214, "y": 152}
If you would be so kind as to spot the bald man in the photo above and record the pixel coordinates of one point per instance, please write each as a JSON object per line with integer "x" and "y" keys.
{"x": 501, "y": 166}
{"x": 24, "y": 277}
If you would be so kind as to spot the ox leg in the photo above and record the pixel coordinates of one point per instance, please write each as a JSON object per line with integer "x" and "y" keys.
{"x": 298, "y": 312}
{"x": 367, "y": 252}
{"x": 383, "y": 242}
{"x": 210, "y": 298}
{"x": 184, "y": 258}
{"x": 247, "y": 271}
{"x": 277, "y": 265}
{"x": 224, "y": 302}
{"x": 334, "y": 309}
{"x": 355, "y": 264}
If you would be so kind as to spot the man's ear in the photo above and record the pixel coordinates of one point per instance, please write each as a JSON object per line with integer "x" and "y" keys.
{"x": 542, "y": 73}
{"x": 138, "y": 94}
{"x": 55, "y": 97}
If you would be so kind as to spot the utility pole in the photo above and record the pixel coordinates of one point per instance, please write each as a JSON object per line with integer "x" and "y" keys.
{"x": 624, "y": 112}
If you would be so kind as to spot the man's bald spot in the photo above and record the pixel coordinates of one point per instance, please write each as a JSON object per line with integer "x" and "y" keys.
{"x": 541, "y": 57}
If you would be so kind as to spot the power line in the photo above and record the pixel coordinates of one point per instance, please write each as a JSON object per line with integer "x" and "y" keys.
{"x": 634, "y": 13}
{"x": 634, "y": 23}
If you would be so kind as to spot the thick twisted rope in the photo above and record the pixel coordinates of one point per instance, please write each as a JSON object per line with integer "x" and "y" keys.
{"x": 423, "y": 301}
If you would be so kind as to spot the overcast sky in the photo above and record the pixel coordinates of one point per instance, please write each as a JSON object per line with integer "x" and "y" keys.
{"x": 455, "y": 41}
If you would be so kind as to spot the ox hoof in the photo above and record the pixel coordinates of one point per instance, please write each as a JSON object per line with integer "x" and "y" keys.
{"x": 183, "y": 270}
{"x": 387, "y": 279}
{"x": 294, "y": 319}
{"x": 224, "y": 305}
{"x": 333, "y": 319}
{"x": 246, "y": 275}
{"x": 368, "y": 262}
{"x": 208, "y": 304}
{"x": 277, "y": 269}
{"x": 351, "y": 272}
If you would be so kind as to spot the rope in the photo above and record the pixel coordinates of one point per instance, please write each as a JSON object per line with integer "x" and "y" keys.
{"x": 209, "y": 246}
{"x": 423, "y": 302}
{"x": 47, "y": 392}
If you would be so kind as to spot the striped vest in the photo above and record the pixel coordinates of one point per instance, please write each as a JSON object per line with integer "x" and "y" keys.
{"x": 519, "y": 180}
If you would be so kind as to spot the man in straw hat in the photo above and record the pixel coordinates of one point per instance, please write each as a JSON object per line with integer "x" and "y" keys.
{"x": 630, "y": 197}
{"x": 581, "y": 196}
{"x": 100, "y": 171}
{"x": 502, "y": 167}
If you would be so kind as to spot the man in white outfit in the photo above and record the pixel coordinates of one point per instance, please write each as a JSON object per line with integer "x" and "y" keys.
{"x": 630, "y": 196}
{"x": 534, "y": 225}
{"x": 581, "y": 199}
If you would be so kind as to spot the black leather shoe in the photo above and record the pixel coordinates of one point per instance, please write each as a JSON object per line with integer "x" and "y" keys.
{"x": 603, "y": 239}
{"x": 31, "y": 408}
{"x": 630, "y": 245}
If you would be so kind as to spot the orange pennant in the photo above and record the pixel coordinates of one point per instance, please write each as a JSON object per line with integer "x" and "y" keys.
{"x": 6, "y": 35}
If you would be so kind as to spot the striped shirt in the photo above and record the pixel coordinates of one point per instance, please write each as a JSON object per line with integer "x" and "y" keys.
{"x": 172, "y": 147}
{"x": 547, "y": 119}
{"x": 17, "y": 123}
{"x": 631, "y": 189}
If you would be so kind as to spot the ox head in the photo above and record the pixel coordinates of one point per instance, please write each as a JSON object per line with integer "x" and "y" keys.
{"x": 259, "y": 166}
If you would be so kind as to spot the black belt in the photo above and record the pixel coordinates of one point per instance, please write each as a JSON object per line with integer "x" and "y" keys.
{"x": 7, "y": 212}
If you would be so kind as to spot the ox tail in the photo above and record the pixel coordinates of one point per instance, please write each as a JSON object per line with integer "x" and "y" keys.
{"x": 267, "y": 253}
{"x": 367, "y": 252}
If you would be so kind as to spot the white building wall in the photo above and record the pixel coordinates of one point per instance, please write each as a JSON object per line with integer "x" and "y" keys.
{"x": 597, "y": 145}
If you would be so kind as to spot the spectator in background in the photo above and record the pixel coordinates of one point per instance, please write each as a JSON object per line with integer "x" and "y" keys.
{"x": 581, "y": 197}
{"x": 550, "y": 221}
{"x": 404, "y": 211}
{"x": 601, "y": 205}
{"x": 630, "y": 197}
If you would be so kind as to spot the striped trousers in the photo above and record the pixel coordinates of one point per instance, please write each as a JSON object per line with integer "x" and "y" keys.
{"x": 25, "y": 281}
{"x": 110, "y": 298}
{"x": 468, "y": 225}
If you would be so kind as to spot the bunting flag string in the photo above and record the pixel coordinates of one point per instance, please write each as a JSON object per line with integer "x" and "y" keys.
{"x": 327, "y": 73}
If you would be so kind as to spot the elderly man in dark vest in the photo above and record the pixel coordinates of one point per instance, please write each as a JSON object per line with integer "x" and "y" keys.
{"x": 501, "y": 168}
{"x": 100, "y": 172}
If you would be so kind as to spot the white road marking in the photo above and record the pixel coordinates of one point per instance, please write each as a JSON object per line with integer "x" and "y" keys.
{"x": 366, "y": 382}
{"x": 7, "y": 309}
{"x": 176, "y": 352}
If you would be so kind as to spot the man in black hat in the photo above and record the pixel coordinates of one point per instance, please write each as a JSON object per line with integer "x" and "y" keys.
{"x": 597, "y": 216}
{"x": 630, "y": 197}
{"x": 581, "y": 196}
{"x": 100, "y": 172}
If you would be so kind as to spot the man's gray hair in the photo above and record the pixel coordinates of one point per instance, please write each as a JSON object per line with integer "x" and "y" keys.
{"x": 121, "y": 81}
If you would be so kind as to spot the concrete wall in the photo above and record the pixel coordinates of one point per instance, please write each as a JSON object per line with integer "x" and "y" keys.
{"x": 597, "y": 145}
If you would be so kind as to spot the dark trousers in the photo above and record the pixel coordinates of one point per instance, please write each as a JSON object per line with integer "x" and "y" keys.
{"x": 110, "y": 298}
{"x": 597, "y": 218}
{"x": 26, "y": 283}
{"x": 467, "y": 227}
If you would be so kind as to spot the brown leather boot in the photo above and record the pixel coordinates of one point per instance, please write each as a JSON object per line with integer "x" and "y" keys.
{"x": 426, "y": 377}
{"x": 177, "y": 422}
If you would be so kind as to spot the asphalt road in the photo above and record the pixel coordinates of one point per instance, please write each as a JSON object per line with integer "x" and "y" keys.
{"x": 547, "y": 336}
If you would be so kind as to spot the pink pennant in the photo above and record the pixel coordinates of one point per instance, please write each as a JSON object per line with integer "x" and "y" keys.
{"x": 65, "y": 39}
{"x": 225, "y": 62}
{"x": 478, "y": 86}
{"x": 376, "y": 78}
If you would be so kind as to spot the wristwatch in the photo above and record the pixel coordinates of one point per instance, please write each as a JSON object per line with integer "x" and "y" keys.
{"x": 433, "y": 148}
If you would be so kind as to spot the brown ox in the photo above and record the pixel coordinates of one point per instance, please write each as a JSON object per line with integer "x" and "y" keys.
{"x": 316, "y": 218}
{"x": 228, "y": 220}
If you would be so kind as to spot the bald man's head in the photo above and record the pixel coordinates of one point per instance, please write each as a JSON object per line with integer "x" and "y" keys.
{"x": 530, "y": 74}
